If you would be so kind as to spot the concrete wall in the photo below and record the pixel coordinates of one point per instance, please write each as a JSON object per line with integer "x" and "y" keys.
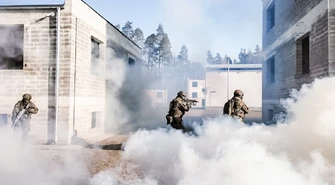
{"x": 81, "y": 92}
{"x": 155, "y": 100}
{"x": 250, "y": 82}
{"x": 198, "y": 89}
{"x": 293, "y": 20}
{"x": 87, "y": 82}
{"x": 38, "y": 59}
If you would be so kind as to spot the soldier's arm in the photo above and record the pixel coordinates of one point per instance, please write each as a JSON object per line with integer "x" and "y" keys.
{"x": 15, "y": 111}
{"x": 32, "y": 109}
{"x": 245, "y": 108}
{"x": 183, "y": 106}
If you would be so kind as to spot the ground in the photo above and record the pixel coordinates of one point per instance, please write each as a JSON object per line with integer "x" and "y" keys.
{"x": 98, "y": 157}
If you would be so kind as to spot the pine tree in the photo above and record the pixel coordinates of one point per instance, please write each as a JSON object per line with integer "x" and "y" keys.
{"x": 127, "y": 29}
{"x": 183, "y": 55}
{"x": 242, "y": 56}
{"x": 138, "y": 37}
{"x": 227, "y": 60}
{"x": 210, "y": 58}
{"x": 257, "y": 50}
{"x": 218, "y": 59}
{"x": 117, "y": 26}
{"x": 149, "y": 51}
{"x": 165, "y": 53}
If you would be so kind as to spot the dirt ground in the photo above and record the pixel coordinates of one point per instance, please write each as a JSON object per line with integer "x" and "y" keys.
{"x": 98, "y": 157}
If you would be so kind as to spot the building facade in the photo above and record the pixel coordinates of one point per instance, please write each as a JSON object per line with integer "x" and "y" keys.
{"x": 297, "y": 46}
{"x": 222, "y": 80}
{"x": 62, "y": 55}
{"x": 196, "y": 91}
{"x": 158, "y": 97}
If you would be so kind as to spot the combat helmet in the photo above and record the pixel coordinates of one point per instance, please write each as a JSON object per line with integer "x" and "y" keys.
{"x": 182, "y": 94}
{"x": 26, "y": 96}
{"x": 238, "y": 93}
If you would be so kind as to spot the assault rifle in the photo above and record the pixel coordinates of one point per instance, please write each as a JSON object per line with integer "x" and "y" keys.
{"x": 191, "y": 102}
{"x": 19, "y": 115}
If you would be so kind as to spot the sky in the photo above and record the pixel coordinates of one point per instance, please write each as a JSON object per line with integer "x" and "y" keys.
{"x": 222, "y": 26}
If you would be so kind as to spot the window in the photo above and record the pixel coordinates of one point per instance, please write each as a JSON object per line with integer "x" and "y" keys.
{"x": 194, "y": 95}
{"x": 270, "y": 115}
{"x": 270, "y": 70}
{"x": 270, "y": 16}
{"x": 305, "y": 55}
{"x": 159, "y": 94}
{"x": 131, "y": 61}
{"x": 3, "y": 119}
{"x": 302, "y": 49}
{"x": 95, "y": 119}
{"x": 203, "y": 102}
{"x": 203, "y": 90}
{"x": 11, "y": 46}
{"x": 194, "y": 84}
{"x": 95, "y": 56}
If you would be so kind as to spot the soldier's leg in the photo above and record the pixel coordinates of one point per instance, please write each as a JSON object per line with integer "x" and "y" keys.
{"x": 18, "y": 129}
{"x": 25, "y": 129}
{"x": 177, "y": 122}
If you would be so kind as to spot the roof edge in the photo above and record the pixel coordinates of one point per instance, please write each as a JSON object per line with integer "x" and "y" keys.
{"x": 18, "y": 7}
{"x": 110, "y": 23}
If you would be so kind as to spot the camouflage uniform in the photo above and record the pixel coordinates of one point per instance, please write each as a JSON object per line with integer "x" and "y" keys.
{"x": 235, "y": 107}
{"x": 24, "y": 121}
{"x": 177, "y": 109}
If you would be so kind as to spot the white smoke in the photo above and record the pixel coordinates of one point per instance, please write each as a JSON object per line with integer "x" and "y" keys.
{"x": 29, "y": 164}
{"x": 299, "y": 150}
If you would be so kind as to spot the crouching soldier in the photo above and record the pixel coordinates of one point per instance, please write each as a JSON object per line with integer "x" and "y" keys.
{"x": 21, "y": 115}
{"x": 235, "y": 107}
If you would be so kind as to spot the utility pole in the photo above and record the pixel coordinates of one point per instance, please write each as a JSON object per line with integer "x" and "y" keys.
{"x": 228, "y": 81}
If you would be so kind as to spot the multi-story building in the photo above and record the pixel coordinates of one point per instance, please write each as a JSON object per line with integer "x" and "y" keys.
{"x": 298, "y": 37}
{"x": 62, "y": 55}
{"x": 196, "y": 91}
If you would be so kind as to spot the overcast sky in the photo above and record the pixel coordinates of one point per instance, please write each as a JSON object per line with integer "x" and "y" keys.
{"x": 222, "y": 26}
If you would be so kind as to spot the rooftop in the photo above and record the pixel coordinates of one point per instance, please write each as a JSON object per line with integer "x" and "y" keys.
{"x": 233, "y": 67}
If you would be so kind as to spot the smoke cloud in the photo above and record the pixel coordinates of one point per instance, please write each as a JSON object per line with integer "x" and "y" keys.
{"x": 11, "y": 46}
{"x": 25, "y": 163}
{"x": 128, "y": 106}
{"x": 298, "y": 150}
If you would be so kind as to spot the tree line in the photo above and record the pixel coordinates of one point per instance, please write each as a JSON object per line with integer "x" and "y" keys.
{"x": 157, "y": 50}
{"x": 173, "y": 71}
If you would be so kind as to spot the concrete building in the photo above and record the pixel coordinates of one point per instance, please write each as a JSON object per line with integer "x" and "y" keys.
{"x": 196, "y": 90}
{"x": 61, "y": 54}
{"x": 222, "y": 80}
{"x": 158, "y": 97}
{"x": 297, "y": 46}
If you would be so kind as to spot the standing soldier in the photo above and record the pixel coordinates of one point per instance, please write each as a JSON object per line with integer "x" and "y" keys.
{"x": 235, "y": 107}
{"x": 177, "y": 109}
{"x": 21, "y": 114}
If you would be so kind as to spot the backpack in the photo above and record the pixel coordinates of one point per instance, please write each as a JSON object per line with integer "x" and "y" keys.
{"x": 228, "y": 107}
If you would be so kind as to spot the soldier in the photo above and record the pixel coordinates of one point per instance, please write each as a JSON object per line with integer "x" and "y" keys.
{"x": 21, "y": 114}
{"x": 177, "y": 109}
{"x": 235, "y": 107}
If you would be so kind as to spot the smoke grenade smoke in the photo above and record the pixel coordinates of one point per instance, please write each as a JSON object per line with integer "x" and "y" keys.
{"x": 11, "y": 46}
{"x": 128, "y": 107}
{"x": 298, "y": 150}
